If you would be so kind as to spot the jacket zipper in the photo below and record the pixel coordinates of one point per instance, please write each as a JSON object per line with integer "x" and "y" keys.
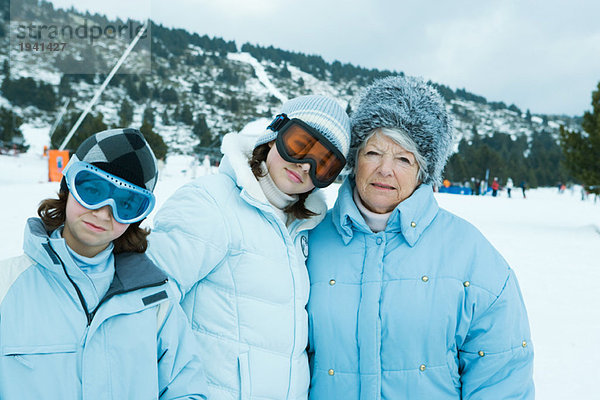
{"x": 90, "y": 315}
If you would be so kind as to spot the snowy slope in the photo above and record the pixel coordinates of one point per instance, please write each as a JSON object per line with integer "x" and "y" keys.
{"x": 550, "y": 240}
{"x": 260, "y": 73}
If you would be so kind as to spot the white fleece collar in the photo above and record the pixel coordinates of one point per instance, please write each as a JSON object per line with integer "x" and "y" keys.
{"x": 275, "y": 196}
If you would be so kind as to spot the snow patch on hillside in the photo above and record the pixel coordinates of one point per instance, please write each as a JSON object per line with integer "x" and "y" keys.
{"x": 260, "y": 73}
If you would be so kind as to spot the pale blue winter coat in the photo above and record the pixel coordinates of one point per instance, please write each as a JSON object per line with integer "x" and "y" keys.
{"x": 426, "y": 309}
{"x": 243, "y": 278}
{"x": 136, "y": 345}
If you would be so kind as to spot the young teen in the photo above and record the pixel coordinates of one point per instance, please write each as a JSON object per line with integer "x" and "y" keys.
{"x": 84, "y": 314}
{"x": 236, "y": 244}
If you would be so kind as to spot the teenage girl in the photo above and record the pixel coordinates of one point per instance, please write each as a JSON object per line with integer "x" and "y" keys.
{"x": 236, "y": 244}
{"x": 84, "y": 314}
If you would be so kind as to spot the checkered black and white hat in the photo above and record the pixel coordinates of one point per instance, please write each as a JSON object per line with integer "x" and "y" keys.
{"x": 123, "y": 153}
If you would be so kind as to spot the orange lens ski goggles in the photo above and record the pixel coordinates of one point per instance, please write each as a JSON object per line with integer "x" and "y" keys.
{"x": 298, "y": 142}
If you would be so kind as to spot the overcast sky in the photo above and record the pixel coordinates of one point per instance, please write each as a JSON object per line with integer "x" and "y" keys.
{"x": 540, "y": 55}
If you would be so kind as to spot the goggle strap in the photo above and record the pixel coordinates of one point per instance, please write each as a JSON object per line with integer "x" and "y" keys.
{"x": 279, "y": 121}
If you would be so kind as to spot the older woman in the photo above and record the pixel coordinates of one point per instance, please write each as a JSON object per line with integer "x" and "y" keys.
{"x": 408, "y": 301}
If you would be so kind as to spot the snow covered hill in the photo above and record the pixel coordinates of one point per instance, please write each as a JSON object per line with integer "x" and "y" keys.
{"x": 551, "y": 240}
{"x": 228, "y": 87}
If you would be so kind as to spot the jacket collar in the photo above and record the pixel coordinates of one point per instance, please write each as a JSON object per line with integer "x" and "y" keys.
{"x": 410, "y": 218}
{"x": 132, "y": 270}
{"x": 135, "y": 271}
{"x": 37, "y": 242}
{"x": 237, "y": 149}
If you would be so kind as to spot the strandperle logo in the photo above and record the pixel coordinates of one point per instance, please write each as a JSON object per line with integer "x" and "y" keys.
{"x": 92, "y": 33}
{"x": 68, "y": 42}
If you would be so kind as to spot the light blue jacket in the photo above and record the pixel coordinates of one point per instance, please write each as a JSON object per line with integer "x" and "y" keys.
{"x": 243, "y": 279}
{"x": 135, "y": 345}
{"x": 426, "y": 309}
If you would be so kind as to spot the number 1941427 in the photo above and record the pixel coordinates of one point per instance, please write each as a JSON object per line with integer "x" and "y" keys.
{"x": 42, "y": 46}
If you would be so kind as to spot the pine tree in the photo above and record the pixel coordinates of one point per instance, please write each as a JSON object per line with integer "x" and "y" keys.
{"x": 201, "y": 131}
{"x": 456, "y": 169}
{"x": 6, "y": 69}
{"x": 186, "y": 115}
{"x": 10, "y": 133}
{"x": 125, "y": 114}
{"x": 156, "y": 94}
{"x": 285, "y": 72}
{"x": 64, "y": 87}
{"x": 169, "y": 95}
{"x": 91, "y": 124}
{"x": 164, "y": 117}
{"x": 545, "y": 159}
{"x": 582, "y": 148}
{"x": 514, "y": 108}
{"x": 144, "y": 90}
{"x": 528, "y": 116}
{"x": 149, "y": 115}
{"x": 209, "y": 95}
{"x": 26, "y": 91}
{"x": 131, "y": 88}
{"x": 156, "y": 142}
{"x": 234, "y": 105}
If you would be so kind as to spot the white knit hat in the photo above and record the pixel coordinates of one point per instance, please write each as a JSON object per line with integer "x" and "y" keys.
{"x": 321, "y": 113}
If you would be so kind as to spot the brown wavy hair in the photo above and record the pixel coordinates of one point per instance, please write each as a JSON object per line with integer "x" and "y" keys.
{"x": 53, "y": 214}
{"x": 298, "y": 210}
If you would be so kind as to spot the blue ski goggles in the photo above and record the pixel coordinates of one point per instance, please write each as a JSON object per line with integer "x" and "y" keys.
{"x": 94, "y": 188}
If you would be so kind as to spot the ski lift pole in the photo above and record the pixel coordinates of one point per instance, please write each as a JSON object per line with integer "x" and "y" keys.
{"x": 103, "y": 86}
{"x": 59, "y": 118}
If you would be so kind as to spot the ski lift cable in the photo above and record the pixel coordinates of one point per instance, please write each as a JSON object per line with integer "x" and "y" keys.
{"x": 103, "y": 86}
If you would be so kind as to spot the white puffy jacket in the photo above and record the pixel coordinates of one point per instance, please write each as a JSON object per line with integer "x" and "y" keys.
{"x": 243, "y": 279}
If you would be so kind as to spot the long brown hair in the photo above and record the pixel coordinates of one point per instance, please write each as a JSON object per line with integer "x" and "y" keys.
{"x": 53, "y": 215}
{"x": 298, "y": 210}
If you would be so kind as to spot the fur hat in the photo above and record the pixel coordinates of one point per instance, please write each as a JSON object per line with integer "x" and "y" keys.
{"x": 413, "y": 106}
{"x": 321, "y": 113}
{"x": 121, "y": 152}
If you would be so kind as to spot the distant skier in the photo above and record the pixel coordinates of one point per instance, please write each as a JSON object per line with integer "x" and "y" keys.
{"x": 206, "y": 165}
{"x": 509, "y": 186}
{"x": 495, "y": 187}
{"x": 523, "y": 187}
{"x": 194, "y": 166}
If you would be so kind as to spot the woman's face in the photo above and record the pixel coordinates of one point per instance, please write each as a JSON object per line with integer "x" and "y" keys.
{"x": 290, "y": 178}
{"x": 88, "y": 232}
{"x": 386, "y": 174}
